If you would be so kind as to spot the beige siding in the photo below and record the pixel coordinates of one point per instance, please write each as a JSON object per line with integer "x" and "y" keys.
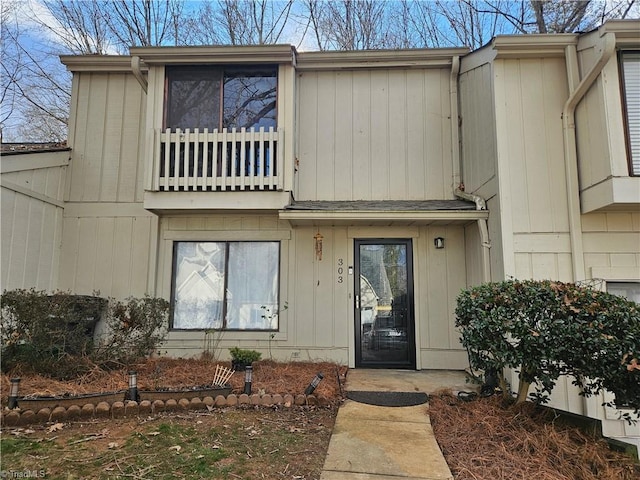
{"x": 612, "y": 240}
{"x": 108, "y": 250}
{"x": 477, "y": 130}
{"x": 318, "y": 322}
{"x": 31, "y": 227}
{"x": 599, "y": 122}
{"x": 374, "y": 135}
{"x": 107, "y": 138}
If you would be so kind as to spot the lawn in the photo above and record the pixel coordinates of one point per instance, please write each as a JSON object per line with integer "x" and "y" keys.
{"x": 482, "y": 439}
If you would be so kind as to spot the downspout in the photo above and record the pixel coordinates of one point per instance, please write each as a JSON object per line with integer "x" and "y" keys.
{"x": 137, "y": 72}
{"x": 458, "y": 191}
{"x": 607, "y": 49}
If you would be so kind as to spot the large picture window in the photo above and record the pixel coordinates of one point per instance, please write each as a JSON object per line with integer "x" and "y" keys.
{"x": 220, "y": 97}
{"x": 226, "y": 285}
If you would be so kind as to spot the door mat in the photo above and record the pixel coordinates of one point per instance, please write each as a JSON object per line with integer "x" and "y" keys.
{"x": 389, "y": 399}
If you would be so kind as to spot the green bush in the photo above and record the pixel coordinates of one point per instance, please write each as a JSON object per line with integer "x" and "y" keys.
{"x": 545, "y": 329}
{"x": 135, "y": 329}
{"x": 48, "y": 332}
{"x": 244, "y": 356}
{"x": 53, "y": 334}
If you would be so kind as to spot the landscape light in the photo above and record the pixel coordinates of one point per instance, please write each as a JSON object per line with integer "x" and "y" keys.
{"x": 248, "y": 377}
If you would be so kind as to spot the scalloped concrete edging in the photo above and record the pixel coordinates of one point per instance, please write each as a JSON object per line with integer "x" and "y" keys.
{"x": 121, "y": 409}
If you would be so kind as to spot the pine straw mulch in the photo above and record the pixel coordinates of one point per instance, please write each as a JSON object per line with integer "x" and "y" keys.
{"x": 486, "y": 439}
{"x": 182, "y": 374}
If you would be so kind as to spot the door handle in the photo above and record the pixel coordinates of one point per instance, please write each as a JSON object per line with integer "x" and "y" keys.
{"x": 358, "y": 301}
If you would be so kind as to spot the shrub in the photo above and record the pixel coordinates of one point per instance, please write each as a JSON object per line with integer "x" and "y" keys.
{"x": 135, "y": 329}
{"x": 47, "y": 333}
{"x": 546, "y": 329}
{"x": 53, "y": 334}
{"x": 243, "y": 356}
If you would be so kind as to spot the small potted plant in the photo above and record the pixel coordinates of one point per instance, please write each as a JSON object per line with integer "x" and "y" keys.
{"x": 241, "y": 358}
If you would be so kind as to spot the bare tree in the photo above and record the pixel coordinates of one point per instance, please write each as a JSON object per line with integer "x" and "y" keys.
{"x": 79, "y": 26}
{"x": 349, "y": 24}
{"x": 146, "y": 22}
{"x": 35, "y": 86}
{"x": 241, "y": 22}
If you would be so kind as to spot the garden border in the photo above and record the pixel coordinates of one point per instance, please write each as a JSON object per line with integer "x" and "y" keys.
{"x": 121, "y": 409}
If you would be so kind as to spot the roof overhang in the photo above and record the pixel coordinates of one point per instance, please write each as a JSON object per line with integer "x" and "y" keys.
{"x": 368, "y": 59}
{"x": 382, "y": 213}
{"x": 254, "y": 54}
{"x": 386, "y": 218}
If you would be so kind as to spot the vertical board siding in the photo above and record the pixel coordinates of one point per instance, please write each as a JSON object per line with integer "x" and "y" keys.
{"x": 442, "y": 275}
{"x": 31, "y": 228}
{"x": 108, "y": 133}
{"x": 108, "y": 254}
{"x": 478, "y": 134}
{"x": 374, "y": 135}
{"x": 319, "y": 318}
{"x": 533, "y": 165}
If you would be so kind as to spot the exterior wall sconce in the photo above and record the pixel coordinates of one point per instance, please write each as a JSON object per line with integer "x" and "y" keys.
{"x": 248, "y": 378}
{"x": 438, "y": 242}
{"x": 318, "y": 238}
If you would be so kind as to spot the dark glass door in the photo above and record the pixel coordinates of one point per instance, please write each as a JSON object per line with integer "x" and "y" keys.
{"x": 384, "y": 304}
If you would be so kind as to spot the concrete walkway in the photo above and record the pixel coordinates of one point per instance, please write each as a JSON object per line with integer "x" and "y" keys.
{"x": 389, "y": 443}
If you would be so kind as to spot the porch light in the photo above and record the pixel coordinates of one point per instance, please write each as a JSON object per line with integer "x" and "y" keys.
{"x": 133, "y": 386}
{"x": 13, "y": 394}
{"x": 438, "y": 242}
{"x": 248, "y": 377}
{"x": 318, "y": 238}
{"x": 314, "y": 383}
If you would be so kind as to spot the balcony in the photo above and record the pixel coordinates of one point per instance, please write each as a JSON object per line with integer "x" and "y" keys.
{"x": 193, "y": 169}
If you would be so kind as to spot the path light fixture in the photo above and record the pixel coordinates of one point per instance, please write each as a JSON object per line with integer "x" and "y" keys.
{"x": 438, "y": 242}
{"x": 13, "y": 393}
{"x": 248, "y": 378}
{"x": 133, "y": 386}
{"x": 314, "y": 383}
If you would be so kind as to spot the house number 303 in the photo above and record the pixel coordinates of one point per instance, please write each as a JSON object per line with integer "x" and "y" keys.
{"x": 340, "y": 270}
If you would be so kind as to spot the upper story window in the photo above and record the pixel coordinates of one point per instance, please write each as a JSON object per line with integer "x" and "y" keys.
{"x": 630, "y": 73}
{"x": 217, "y": 97}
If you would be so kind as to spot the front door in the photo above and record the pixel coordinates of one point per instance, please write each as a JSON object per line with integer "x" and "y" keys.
{"x": 384, "y": 304}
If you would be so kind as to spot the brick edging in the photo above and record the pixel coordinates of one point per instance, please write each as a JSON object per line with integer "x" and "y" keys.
{"x": 127, "y": 408}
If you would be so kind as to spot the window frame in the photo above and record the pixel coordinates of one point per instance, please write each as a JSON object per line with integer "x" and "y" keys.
{"x": 219, "y": 72}
{"x": 224, "y": 327}
{"x": 633, "y": 172}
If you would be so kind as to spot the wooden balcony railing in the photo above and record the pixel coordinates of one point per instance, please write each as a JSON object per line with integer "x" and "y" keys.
{"x": 224, "y": 160}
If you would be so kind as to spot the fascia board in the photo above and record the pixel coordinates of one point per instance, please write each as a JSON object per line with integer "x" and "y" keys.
{"x": 367, "y": 59}
{"x": 448, "y": 215}
{"x": 208, "y": 55}
{"x": 97, "y": 63}
{"x": 627, "y": 32}
{"x": 533, "y": 46}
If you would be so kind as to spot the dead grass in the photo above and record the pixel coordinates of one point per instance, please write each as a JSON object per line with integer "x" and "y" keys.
{"x": 484, "y": 439}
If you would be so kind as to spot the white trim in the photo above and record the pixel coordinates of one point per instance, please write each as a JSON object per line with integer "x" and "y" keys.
{"x": 616, "y": 274}
{"x": 226, "y": 235}
{"x": 19, "y": 162}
